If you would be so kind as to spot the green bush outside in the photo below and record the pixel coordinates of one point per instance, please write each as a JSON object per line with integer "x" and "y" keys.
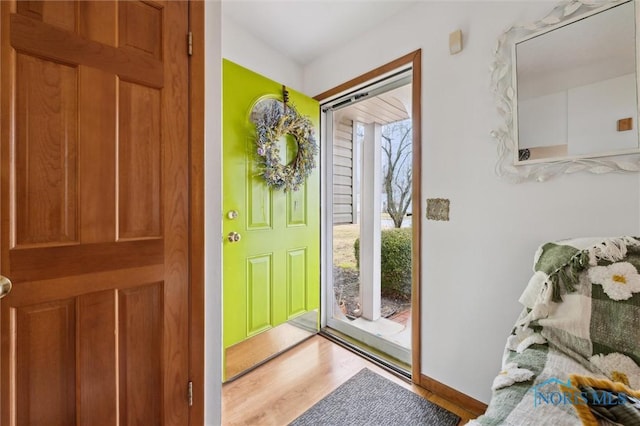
{"x": 395, "y": 261}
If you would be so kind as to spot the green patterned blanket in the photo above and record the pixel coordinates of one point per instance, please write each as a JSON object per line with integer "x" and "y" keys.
{"x": 581, "y": 316}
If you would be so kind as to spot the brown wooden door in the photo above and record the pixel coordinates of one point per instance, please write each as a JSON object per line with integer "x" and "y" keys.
{"x": 94, "y": 213}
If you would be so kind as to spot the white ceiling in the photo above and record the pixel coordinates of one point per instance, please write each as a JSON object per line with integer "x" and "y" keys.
{"x": 304, "y": 30}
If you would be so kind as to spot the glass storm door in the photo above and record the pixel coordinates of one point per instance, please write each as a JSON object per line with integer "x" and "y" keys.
{"x": 368, "y": 223}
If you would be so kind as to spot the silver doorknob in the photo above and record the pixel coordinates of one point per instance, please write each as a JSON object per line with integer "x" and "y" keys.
{"x": 233, "y": 214}
{"x": 233, "y": 237}
{"x": 5, "y": 286}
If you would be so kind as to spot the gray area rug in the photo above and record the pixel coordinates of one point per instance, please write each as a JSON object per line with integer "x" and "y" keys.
{"x": 369, "y": 399}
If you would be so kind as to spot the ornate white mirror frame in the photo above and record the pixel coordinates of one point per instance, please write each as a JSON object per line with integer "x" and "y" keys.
{"x": 502, "y": 83}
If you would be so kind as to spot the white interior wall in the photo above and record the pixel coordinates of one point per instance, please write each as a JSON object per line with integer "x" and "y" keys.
{"x": 476, "y": 265}
{"x": 244, "y": 49}
{"x": 213, "y": 215}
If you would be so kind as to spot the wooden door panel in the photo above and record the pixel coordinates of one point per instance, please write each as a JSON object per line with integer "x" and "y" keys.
{"x": 97, "y": 357}
{"x": 139, "y": 166}
{"x": 52, "y": 262}
{"x": 97, "y": 164}
{"x": 94, "y": 136}
{"x": 97, "y": 20}
{"x": 61, "y": 14}
{"x": 45, "y": 149}
{"x": 141, "y": 27}
{"x": 32, "y": 293}
{"x": 140, "y": 319}
{"x": 44, "y": 344}
{"x": 119, "y": 339}
{"x": 45, "y": 341}
{"x": 47, "y": 41}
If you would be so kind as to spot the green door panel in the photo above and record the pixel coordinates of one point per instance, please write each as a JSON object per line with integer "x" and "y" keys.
{"x": 273, "y": 273}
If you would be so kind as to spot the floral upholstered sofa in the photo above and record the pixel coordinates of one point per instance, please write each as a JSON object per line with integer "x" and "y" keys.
{"x": 574, "y": 354}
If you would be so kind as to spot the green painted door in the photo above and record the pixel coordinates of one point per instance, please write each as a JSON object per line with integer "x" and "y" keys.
{"x": 272, "y": 274}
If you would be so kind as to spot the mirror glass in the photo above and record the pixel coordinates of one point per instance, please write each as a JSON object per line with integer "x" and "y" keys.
{"x": 576, "y": 93}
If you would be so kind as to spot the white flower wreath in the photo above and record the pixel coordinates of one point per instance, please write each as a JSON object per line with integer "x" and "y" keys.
{"x": 277, "y": 121}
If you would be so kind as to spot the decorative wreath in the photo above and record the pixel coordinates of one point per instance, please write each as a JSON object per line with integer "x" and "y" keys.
{"x": 278, "y": 120}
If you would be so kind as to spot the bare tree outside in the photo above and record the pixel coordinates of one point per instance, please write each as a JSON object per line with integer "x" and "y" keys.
{"x": 396, "y": 169}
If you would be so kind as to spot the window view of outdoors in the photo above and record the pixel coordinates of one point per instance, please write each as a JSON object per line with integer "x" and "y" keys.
{"x": 395, "y": 220}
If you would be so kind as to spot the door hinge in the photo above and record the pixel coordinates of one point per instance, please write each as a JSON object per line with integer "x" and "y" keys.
{"x": 190, "y": 43}
{"x": 190, "y": 393}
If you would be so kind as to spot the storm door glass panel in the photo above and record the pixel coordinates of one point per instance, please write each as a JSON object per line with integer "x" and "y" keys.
{"x": 370, "y": 222}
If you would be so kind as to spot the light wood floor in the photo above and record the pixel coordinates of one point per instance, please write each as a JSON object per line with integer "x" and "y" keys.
{"x": 285, "y": 387}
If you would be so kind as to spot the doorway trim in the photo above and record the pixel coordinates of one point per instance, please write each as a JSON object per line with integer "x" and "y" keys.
{"x": 415, "y": 60}
{"x": 196, "y": 212}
